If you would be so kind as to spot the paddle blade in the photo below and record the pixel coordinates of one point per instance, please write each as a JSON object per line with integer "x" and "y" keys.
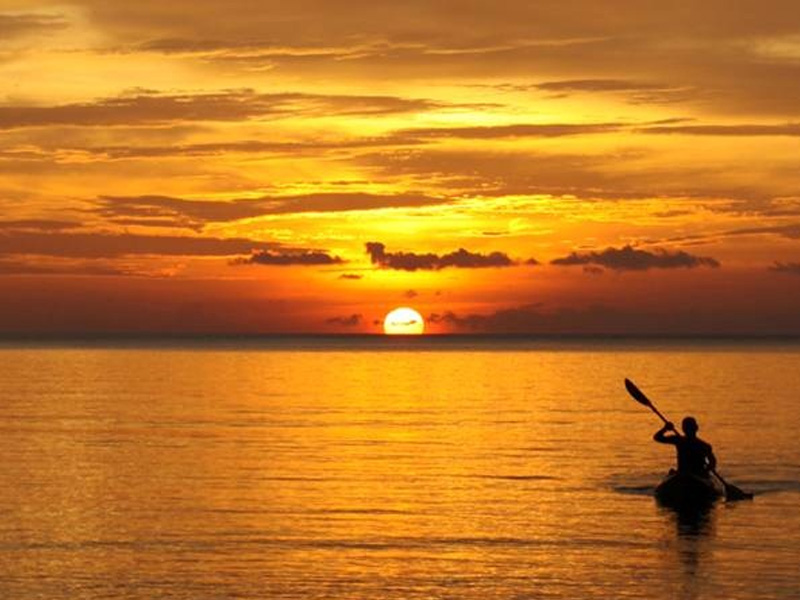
{"x": 637, "y": 394}
{"x": 733, "y": 493}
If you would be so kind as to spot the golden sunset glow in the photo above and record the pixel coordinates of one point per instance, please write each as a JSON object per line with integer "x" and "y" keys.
{"x": 404, "y": 321}
{"x": 511, "y": 167}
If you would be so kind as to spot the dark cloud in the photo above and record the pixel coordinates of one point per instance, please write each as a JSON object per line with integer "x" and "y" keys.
{"x": 628, "y": 258}
{"x": 100, "y": 245}
{"x": 194, "y": 213}
{"x": 243, "y": 50}
{"x": 612, "y": 320}
{"x": 38, "y": 224}
{"x": 596, "y": 85}
{"x": 12, "y": 25}
{"x": 349, "y": 321}
{"x": 18, "y": 267}
{"x": 178, "y": 211}
{"x": 513, "y": 131}
{"x": 150, "y": 108}
{"x": 637, "y": 92}
{"x": 791, "y": 231}
{"x": 410, "y": 294}
{"x": 351, "y": 276}
{"x": 290, "y": 258}
{"x": 161, "y": 222}
{"x": 535, "y": 318}
{"x": 743, "y": 130}
{"x": 790, "y": 268}
{"x": 242, "y": 147}
{"x": 410, "y": 261}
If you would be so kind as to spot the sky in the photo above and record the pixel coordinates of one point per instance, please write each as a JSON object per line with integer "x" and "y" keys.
{"x": 256, "y": 166}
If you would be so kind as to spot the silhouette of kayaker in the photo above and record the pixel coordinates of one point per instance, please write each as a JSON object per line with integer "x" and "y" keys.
{"x": 695, "y": 456}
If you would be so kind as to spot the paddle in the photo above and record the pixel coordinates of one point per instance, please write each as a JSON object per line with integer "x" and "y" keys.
{"x": 731, "y": 491}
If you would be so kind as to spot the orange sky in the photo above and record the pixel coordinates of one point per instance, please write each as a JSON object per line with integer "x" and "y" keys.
{"x": 514, "y": 166}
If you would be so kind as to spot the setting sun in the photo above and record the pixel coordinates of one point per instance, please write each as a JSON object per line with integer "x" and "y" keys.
{"x": 403, "y": 321}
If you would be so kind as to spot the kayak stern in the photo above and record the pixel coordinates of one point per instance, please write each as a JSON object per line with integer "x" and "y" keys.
{"x": 685, "y": 490}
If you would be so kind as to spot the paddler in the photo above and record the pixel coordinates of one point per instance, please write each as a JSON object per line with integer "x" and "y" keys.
{"x": 695, "y": 456}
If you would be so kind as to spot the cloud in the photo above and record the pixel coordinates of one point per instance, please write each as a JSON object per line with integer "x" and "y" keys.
{"x": 410, "y": 261}
{"x": 602, "y": 319}
{"x": 637, "y": 173}
{"x": 38, "y": 224}
{"x": 596, "y": 85}
{"x": 486, "y": 172}
{"x": 102, "y": 245}
{"x": 535, "y": 318}
{"x": 742, "y": 130}
{"x": 151, "y": 108}
{"x": 351, "y": 276}
{"x": 349, "y": 321}
{"x": 194, "y": 213}
{"x": 790, "y": 231}
{"x": 289, "y": 258}
{"x": 513, "y": 131}
{"x": 790, "y": 268}
{"x": 741, "y": 60}
{"x": 247, "y": 50}
{"x": 17, "y": 267}
{"x": 278, "y": 148}
{"x": 628, "y": 258}
{"x": 638, "y": 92}
{"x": 13, "y": 25}
{"x": 410, "y": 294}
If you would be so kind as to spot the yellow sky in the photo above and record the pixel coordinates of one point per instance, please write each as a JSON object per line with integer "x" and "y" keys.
{"x": 567, "y": 166}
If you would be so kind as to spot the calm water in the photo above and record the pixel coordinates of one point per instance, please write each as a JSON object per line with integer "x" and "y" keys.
{"x": 303, "y": 469}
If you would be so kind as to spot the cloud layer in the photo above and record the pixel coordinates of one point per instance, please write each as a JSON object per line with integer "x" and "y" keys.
{"x": 159, "y": 144}
{"x": 147, "y": 108}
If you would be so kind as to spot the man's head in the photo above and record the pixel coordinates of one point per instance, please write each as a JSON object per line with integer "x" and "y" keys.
{"x": 690, "y": 426}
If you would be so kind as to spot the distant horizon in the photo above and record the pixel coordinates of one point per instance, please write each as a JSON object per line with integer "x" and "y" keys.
{"x": 388, "y": 339}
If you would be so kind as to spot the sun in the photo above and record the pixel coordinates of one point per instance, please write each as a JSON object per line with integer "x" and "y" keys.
{"x": 403, "y": 321}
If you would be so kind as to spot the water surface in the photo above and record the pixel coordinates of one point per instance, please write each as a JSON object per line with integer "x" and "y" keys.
{"x": 360, "y": 469}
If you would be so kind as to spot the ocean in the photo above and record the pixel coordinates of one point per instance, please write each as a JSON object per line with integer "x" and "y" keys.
{"x": 375, "y": 467}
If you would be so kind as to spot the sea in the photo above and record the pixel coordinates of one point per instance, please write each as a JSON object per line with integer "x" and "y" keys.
{"x": 371, "y": 467}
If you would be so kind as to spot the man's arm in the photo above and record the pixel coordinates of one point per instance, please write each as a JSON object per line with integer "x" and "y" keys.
{"x": 661, "y": 438}
{"x": 712, "y": 460}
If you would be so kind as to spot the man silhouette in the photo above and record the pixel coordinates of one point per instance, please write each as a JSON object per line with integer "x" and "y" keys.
{"x": 695, "y": 457}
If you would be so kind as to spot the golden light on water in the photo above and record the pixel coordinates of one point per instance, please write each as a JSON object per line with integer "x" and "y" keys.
{"x": 404, "y": 321}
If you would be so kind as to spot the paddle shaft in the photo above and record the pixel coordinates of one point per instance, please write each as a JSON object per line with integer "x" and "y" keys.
{"x": 718, "y": 476}
{"x": 658, "y": 412}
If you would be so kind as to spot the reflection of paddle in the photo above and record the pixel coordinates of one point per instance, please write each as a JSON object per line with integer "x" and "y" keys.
{"x": 731, "y": 491}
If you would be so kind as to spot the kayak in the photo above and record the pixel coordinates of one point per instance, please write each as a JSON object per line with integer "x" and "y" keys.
{"x": 684, "y": 490}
